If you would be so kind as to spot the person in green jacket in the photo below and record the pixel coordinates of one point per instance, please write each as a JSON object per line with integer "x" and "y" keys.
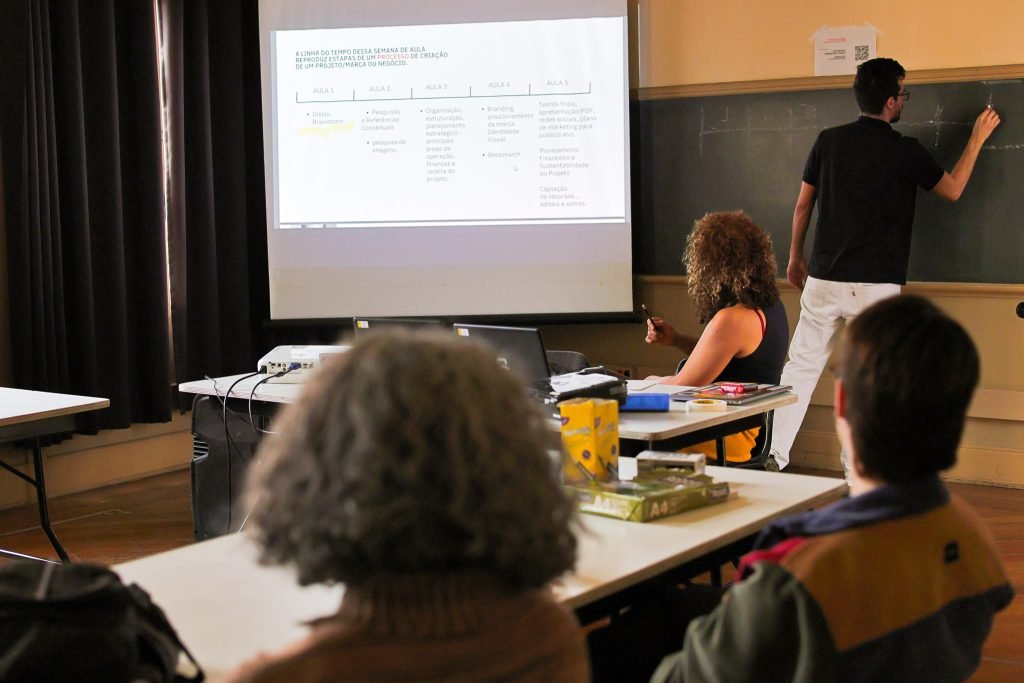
{"x": 900, "y": 581}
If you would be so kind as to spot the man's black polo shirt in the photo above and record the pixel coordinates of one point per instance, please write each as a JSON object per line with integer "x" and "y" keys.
{"x": 866, "y": 177}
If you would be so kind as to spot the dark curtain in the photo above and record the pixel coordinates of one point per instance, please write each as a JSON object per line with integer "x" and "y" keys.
{"x": 218, "y": 211}
{"x": 84, "y": 198}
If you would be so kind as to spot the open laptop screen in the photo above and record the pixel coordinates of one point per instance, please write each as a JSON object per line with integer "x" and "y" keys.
{"x": 520, "y": 349}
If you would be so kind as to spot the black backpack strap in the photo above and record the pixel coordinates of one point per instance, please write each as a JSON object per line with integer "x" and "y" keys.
{"x": 43, "y": 587}
{"x": 15, "y": 651}
{"x": 154, "y": 618}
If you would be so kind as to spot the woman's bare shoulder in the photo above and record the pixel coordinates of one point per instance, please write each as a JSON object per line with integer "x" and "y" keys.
{"x": 737, "y": 314}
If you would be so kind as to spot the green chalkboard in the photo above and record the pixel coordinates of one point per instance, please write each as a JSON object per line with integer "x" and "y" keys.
{"x": 697, "y": 154}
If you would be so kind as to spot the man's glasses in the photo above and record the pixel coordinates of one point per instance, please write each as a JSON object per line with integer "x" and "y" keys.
{"x": 905, "y": 95}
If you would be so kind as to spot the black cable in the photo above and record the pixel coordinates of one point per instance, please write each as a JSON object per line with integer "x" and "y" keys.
{"x": 224, "y": 402}
{"x": 252, "y": 422}
{"x": 252, "y": 393}
{"x": 229, "y": 443}
{"x": 224, "y": 405}
{"x": 227, "y": 438}
{"x": 216, "y": 389}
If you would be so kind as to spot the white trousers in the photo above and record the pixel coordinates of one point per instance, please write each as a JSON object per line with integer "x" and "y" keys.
{"x": 825, "y": 308}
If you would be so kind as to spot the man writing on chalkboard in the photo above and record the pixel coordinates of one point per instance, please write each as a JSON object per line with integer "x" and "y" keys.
{"x": 864, "y": 177}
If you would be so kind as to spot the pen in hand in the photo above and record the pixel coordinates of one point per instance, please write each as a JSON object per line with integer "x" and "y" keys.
{"x": 650, "y": 319}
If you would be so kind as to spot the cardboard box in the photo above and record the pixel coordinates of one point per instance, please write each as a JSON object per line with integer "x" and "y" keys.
{"x": 651, "y": 496}
{"x": 590, "y": 439}
{"x": 693, "y": 463}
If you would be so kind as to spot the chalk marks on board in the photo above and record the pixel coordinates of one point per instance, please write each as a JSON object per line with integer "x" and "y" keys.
{"x": 726, "y": 123}
{"x": 700, "y": 135}
{"x": 937, "y": 123}
{"x": 706, "y": 130}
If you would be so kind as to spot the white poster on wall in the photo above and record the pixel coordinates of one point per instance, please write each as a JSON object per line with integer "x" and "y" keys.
{"x": 838, "y": 50}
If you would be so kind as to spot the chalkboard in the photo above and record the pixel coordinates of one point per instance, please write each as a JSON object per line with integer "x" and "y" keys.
{"x": 698, "y": 154}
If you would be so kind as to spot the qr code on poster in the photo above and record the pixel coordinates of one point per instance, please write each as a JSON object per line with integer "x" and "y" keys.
{"x": 860, "y": 53}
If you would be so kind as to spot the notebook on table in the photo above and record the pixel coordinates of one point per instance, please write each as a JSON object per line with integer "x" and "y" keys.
{"x": 519, "y": 349}
{"x": 722, "y": 392}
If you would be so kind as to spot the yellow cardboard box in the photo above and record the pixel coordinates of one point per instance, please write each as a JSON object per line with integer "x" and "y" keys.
{"x": 590, "y": 437}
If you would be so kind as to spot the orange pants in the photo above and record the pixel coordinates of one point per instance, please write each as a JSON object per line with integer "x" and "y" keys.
{"x": 737, "y": 447}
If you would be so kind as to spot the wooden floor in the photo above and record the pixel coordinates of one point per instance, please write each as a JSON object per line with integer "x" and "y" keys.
{"x": 129, "y": 521}
{"x": 108, "y": 525}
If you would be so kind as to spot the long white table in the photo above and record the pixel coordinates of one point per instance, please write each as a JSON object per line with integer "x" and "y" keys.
{"x": 680, "y": 422}
{"x": 28, "y": 414}
{"x": 672, "y": 428}
{"x": 227, "y": 608}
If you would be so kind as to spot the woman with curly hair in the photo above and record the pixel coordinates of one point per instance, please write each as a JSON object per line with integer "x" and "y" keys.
{"x": 730, "y": 270}
{"x": 416, "y": 472}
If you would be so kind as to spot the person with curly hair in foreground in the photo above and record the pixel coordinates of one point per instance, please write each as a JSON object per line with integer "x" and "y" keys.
{"x": 414, "y": 470}
{"x": 730, "y": 270}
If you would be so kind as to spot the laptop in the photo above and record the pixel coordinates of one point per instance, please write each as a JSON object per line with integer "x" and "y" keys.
{"x": 519, "y": 349}
{"x": 363, "y": 324}
{"x": 716, "y": 391}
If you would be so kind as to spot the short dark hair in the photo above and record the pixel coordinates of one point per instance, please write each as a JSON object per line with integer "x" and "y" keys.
{"x": 877, "y": 80}
{"x": 729, "y": 260}
{"x": 412, "y": 453}
{"x": 909, "y": 372}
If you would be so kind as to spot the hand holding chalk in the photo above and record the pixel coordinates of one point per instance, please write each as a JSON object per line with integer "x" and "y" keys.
{"x": 986, "y": 122}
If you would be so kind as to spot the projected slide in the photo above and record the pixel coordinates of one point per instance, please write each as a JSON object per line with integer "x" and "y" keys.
{"x": 483, "y": 123}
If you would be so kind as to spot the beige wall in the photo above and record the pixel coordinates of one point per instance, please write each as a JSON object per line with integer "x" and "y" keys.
{"x": 685, "y": 42}
{"x": 89, "y": 462}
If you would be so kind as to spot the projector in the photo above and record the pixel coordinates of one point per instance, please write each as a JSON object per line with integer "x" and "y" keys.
{"x": 297, "y": 362}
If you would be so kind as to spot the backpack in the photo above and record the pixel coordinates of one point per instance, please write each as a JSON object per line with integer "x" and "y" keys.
{"x": 79, "y": 622}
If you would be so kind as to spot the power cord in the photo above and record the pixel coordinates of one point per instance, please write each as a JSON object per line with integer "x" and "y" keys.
{"x": 291, "y": 368}
{"x": 247, "y": 513}
{"x": 222, "y": 399}
{"x": 227, "y": 437}
{"x": 216, "y": 389}
{"x": 282, "y": 373}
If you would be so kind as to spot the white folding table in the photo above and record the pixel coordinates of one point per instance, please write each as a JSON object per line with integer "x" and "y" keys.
{"x": 29, "y": 415}
{"x": 227, "y": 608}
{"x": 675, "y": 428}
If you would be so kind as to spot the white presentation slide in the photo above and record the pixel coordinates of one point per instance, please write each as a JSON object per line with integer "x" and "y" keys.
{"x": 446, "y": 158}
{"x": 467, "y": 122}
